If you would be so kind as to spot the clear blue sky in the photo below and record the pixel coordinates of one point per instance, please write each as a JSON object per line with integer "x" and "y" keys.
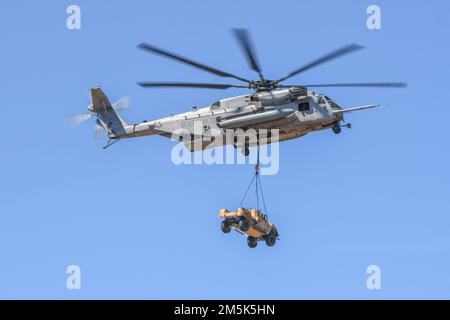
{"x": 141, "y": 227}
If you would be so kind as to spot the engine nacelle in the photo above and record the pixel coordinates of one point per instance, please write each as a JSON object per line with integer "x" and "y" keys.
{"x": 275, "y": 98}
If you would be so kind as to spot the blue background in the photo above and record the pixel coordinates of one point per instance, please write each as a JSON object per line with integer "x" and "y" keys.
{"x": 141, "y": 227}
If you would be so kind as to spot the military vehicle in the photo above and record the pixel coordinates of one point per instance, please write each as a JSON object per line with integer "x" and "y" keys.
{"x": 250, "y": 222}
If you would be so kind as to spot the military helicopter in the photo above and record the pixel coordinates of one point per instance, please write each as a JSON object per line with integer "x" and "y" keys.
{"x": 294, "y": 110}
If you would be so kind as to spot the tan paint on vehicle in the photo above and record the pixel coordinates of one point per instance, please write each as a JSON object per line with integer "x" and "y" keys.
{"x": 259, "y": 226}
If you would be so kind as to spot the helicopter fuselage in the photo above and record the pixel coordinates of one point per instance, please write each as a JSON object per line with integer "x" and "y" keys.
{"x": 293, "y": 112}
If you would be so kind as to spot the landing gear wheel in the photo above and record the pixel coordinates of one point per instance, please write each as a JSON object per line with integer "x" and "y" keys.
{"x": 336, "y": 129}
{"x": 252, "y": 242}
{"x": 271, "y": 240}
{"x": 225, "y": 226}
{"x": 244, "y": 224}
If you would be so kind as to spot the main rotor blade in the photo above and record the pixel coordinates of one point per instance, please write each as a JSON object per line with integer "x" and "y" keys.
{"x": 243, "y": 38}
{"x": 330, "y": 56}
{"x": 71, "y": 121}
{"x": 188, "y": 85}
{"x": 362, "y": 84}
{"x": 153, "y": 49}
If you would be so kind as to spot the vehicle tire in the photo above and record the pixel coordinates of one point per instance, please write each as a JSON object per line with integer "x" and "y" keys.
{"x": 244, "y": 224}
{"x": 336, "y": 129}
{"x": 225, "y": 226}
{"x": 252, "y": 242}
{"x": 271, "y": 240}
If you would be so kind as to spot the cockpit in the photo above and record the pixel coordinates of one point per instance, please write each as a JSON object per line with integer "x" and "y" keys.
{"x": 331, "y": 103}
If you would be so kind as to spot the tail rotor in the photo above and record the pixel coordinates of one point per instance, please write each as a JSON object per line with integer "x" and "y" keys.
{"x": 100, "y": 129}
{"x": 73, "y": 120}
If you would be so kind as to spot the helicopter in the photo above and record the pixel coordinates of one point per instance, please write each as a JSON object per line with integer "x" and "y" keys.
{"x": 293, "y": 110}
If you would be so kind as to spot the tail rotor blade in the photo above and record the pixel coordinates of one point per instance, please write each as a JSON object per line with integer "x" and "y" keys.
{"x": 100, "y": 132}
{"x": 73, "y": 120}
{"x": 121, "y": 104}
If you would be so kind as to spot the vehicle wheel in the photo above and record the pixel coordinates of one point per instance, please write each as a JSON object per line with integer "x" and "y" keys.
{"x": 337, "y": 129}
{"x": 271, "y": 240}
{"x": 225, "y": 226}
{"x": 252, "y": 242}
{"x": 244, "y": 224}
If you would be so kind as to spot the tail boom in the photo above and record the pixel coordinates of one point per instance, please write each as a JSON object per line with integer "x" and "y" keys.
{"x": 107, "y": 116}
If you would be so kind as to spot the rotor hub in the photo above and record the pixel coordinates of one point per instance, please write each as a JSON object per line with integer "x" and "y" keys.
{"x": 263, "y": 85}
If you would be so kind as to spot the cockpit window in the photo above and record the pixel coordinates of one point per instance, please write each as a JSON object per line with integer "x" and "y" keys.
{"x": 332, "y": 104}
{"x": 215, "y": 105}
{"x": 303, "y": 106}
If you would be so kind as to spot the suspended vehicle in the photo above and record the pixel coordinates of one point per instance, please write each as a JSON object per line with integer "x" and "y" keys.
{"x": 250, "y": 222}
{"x": 253, "y": 223}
